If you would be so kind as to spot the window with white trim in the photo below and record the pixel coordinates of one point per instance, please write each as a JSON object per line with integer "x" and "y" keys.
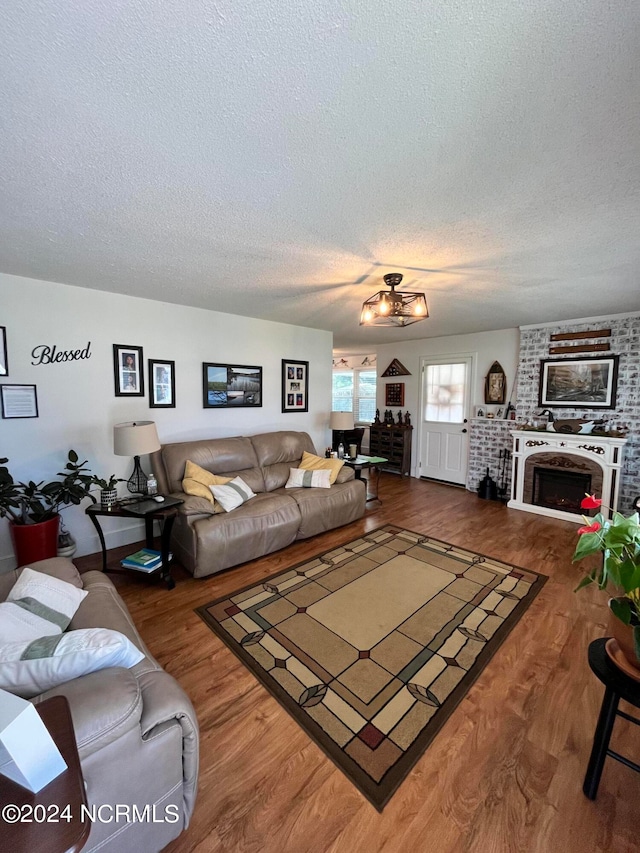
{"x": 355, "y": 391}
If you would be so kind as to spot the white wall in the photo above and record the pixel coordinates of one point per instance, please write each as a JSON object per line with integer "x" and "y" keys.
{"x": 77, "y": 405}
{"x": 486, "y": 347}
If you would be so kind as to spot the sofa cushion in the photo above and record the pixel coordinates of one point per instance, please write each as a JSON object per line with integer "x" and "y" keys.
{"x": 229, "y": 457}
{"x": 30, "y": 668}
{"x": 264, "y": 524}
{"x": 234, "y": 494}
{"x": 38, "y": 605}
{"x": 324, "y": 509}
{"x": 197, "y": 481}
{"x": 311, "y": 462}
{"x": 300, "y": 478}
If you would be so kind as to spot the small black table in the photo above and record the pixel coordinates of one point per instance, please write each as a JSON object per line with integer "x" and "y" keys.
{"x": 164, "y": 514}
{"x": 372, "y": 463}
{"x": 617, "y": 686}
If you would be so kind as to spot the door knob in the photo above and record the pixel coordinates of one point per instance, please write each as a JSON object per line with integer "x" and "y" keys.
{"x": 465, "y": 421}
{"x": 463, "y": 430}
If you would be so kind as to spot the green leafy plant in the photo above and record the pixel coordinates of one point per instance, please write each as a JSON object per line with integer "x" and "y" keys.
{"x": 105, "y": 484}
{"x": 30, "y": 503}
{"x": 618, "y": 540}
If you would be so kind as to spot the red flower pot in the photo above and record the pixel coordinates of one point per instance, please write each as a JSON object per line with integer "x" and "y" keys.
{"x": 32, "y": 542}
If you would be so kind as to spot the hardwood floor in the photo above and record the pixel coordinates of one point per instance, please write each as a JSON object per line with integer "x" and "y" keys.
{"x": 504, "y": 774}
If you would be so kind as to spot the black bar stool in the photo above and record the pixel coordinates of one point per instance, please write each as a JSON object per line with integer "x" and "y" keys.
{"x": 617, "y": 686}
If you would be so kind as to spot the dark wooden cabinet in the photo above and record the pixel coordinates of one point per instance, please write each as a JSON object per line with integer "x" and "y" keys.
{"x": 394, "y": 444}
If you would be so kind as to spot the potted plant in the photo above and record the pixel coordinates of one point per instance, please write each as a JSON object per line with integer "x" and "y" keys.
{"x": 33, "y": 509}
{"x": 108, "y": 491}
{"x": 618, "y": 540}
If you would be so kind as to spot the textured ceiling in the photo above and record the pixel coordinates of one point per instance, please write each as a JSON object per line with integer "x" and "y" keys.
{"x": 275, "y": 158}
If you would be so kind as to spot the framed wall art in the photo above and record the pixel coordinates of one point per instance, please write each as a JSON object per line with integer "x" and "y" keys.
{"x": 495, "y": 384}
{"x": 162, "y": 384}
{"x": 19, "y": 401}
{"x": 588, "y": 383}
{"x": 127, "y": 371}
{"x": 231, "y": 386}
{"x": 394, "y": 394}
{"x": 4, "y": 361}
{"x": 295, "y": 385}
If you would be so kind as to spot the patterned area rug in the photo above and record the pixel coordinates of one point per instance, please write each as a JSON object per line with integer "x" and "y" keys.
{"x": 372, "y": 645}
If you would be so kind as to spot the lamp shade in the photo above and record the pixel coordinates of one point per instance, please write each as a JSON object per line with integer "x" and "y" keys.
{"x": 341, "y": 421}
{"x": 135, "y": 438}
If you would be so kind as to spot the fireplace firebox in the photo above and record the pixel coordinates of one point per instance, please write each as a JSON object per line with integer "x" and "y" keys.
{"x": 560, "y": 490}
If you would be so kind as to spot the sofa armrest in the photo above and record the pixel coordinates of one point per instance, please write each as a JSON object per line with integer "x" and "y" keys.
{"x": 345, "y": 474}
{"x": 193, "y": 505}
{"x": 165, "y": 701}
{"x": 104, "y": 705}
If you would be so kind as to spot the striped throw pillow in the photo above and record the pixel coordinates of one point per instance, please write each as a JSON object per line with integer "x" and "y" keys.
{"x": 233, "y": 494}
{"x": 301, "y": 478}
{"x": 30, "y": 668}
{"x": 38, "y": 606}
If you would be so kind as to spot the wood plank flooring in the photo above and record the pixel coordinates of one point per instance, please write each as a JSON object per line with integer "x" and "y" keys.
{"x": 504, "y": 774}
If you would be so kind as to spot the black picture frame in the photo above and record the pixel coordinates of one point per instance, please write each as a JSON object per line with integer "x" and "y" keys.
{"x": 19, "y": 401}
{"x": 579, "y": 383}
{"x": 231, "y": 386}
{"x": 4, "y": 360}
{"x": 128, "y": 375}
{"x": 162, "y": 384}
{"x": 295, "y": 385}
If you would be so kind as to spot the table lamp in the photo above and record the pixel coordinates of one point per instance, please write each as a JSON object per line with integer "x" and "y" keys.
{"x": 135, "y": 439}
{"x": 340, "y": 422}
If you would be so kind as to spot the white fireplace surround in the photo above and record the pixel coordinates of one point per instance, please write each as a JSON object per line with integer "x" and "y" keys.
{"x": 604, "y": 451}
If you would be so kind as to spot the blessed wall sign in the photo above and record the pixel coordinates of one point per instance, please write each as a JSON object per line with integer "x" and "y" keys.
{"x": 44, "y": 354}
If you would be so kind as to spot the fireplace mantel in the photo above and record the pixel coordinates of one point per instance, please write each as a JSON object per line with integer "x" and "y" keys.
{"x": 604, "y": 451}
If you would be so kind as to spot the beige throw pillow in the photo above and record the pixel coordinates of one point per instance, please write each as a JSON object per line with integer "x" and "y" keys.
{"x": 310, "y": 462}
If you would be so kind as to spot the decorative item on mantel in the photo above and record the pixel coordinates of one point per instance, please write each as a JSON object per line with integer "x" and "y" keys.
{"x": 495, "y": 387}
{"x": 617, "y": 540}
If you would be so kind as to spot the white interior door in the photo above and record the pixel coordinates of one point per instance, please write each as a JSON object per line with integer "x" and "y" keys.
{"x": 444, "y": 437}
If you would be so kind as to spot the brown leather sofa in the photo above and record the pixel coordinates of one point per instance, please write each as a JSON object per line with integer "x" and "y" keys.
{"x": 206, "y": 542}
{"x": 136, "y": 729}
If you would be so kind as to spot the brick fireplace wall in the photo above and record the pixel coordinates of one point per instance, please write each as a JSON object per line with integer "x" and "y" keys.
{"x": 488, "y": 437}
{"x": 625, "y": 342}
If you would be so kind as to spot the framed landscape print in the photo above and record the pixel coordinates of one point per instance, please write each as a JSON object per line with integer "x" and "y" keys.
{"x": 231, "y": 386}
{"x": 127, "y": 371}
{"x": 588, "y": 383}
{"x": 295, "y": 386}
{"x": 19, "y": 401}
{"x": 4, "y": 362}
{"x": 162, "y": 384}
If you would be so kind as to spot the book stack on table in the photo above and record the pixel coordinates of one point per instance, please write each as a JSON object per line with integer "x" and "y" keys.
{"x": 145, "y": 560}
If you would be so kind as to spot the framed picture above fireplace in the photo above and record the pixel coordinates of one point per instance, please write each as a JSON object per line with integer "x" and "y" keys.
{"x": 577, "y": 383}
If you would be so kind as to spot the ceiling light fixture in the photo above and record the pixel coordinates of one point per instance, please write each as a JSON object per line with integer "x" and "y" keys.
{"x": 388, "y": 308}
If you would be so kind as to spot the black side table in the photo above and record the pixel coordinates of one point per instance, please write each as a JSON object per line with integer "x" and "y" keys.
{"x": 617, "y": 686}
{"x": 371, "y": 463}
{"x": 167, "y": 516}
